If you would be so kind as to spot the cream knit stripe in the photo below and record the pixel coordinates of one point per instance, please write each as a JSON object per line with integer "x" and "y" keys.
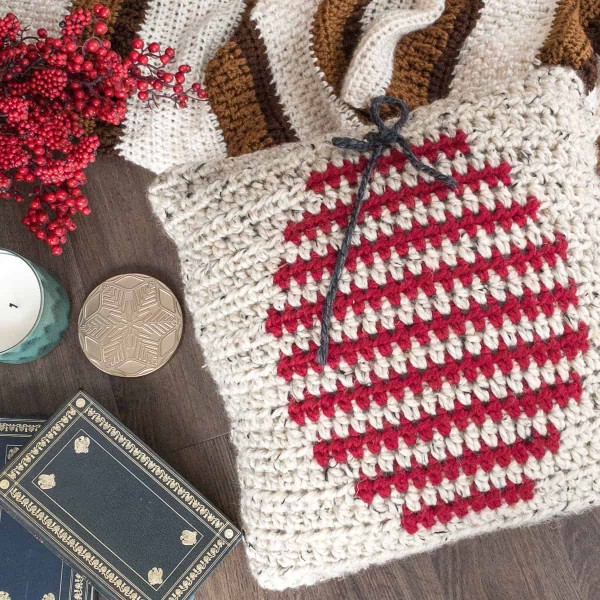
{"x": 504, "y": 44}
{"x": 427, "y": 206}
{"x": 448, "y": 398}
{"x": 461, "y": 485}
{"x": 167, "y": 136}
{"x": 403, "y": 218}
{"x": 377, "y": 8}
{"x": 372, "y": 321}
{"x": 454, "y": 345}
{"x": 364, "y": 553}
{"x": 258, "y": 438}
{"x": 440, "y": 449}
{"x": 413, "y": 260}
{"x": 430, "y": 202}
{"x": 37, "y": 13}
{"x": 412, "y": 406}
{"x": 398, "y": 269}
{"x": 385, "y": 367}
{"x": 279, "y": 515}
{"x": 285, "y": 28}
{"x": 311, "y": 252}
{"x": 474, "y": 438}
{"x": 371, "y": 69}
{"x": 382, "y": 517}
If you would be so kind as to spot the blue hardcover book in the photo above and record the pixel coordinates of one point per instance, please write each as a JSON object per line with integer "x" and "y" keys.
{"x": 28, "y": 569}
{"x": 110, "y": 507}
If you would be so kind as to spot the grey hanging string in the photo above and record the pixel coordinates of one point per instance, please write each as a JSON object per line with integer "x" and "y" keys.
{"x": 375, "y": 142}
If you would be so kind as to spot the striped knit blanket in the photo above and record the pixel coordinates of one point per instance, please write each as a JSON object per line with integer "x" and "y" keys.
{"x": 278, "y": 71}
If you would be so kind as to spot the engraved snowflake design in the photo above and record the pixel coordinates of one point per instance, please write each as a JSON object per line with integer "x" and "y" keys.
{"x": 130, "y": 324}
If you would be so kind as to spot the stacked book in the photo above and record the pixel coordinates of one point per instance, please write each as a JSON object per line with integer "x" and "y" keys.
{"x": 28, "y": 569}
{"x": 85, "y": 505}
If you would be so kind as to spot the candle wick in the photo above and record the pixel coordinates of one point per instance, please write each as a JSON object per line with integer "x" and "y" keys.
{"x": 11, "y": 305}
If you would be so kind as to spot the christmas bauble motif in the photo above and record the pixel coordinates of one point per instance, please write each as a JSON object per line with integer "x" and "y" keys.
{"x": 453, "y": 339}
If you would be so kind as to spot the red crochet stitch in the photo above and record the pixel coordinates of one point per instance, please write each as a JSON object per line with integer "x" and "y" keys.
{"x": 400, "y": 335}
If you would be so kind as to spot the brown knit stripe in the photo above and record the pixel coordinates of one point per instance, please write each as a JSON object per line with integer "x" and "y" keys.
{"x": 243, "y": 96}
{"x": 353, "y": 28}
{"x": 591, "y": 24}
{"x": 335, "y": 33}
{"x": 230, "y": 88}
{"x": 425, "y": 59}
{"x": 569, "y": 43}
{"x": 255, "y": 51}
{"x": 128, "y": 24}
{"x": 125, "y": 29}
{"x": 465, "y": 14}
{"x": 593, "y": 33}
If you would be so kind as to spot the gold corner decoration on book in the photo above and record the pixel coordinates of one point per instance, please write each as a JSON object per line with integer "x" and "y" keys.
{"x": 94, "y": 492}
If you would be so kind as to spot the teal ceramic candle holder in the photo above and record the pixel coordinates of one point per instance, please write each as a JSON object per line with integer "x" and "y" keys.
{"x": 34, "y": 310}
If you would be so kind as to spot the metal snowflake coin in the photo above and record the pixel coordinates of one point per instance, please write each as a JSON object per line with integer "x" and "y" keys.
{"x": 130, "y": 325}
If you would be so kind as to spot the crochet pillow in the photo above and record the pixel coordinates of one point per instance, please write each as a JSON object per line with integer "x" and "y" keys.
{"x": 461, "y": 390}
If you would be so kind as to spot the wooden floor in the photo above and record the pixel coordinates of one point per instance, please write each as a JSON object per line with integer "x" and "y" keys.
{"x": 178, "y": 413}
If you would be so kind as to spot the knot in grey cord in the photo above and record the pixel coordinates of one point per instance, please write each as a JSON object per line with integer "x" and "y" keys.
{"x": 375, "y": 142}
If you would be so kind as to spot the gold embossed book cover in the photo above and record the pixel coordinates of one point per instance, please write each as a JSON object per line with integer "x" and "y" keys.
{"x": 111, "y": 508}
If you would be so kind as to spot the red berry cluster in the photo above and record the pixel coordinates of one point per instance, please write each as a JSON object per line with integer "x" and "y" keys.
{"x": 51, "y": 88}
{"x": 161, "y": 83}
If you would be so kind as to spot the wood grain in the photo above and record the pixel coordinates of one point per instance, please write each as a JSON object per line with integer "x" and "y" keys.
{"x": 178, "y": 413}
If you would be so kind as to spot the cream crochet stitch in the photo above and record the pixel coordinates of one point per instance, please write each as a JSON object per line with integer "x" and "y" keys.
{"x": 461, "y": 390}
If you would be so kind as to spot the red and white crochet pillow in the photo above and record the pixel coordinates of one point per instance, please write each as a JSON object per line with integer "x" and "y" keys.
{"x": 460, "y": 390}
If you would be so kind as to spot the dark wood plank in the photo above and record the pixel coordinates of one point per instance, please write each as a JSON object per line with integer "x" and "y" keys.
{"x": 414, "y": 578}
{"x": 508, "y": 564}
{"x": 120, "y": 236}
{"x": 581, "y": 537}
{"x": 178, "y": 412}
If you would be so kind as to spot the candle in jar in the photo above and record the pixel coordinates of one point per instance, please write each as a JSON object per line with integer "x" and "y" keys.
{"x": 20, "y": 300}
{"x": 34, "y": 310}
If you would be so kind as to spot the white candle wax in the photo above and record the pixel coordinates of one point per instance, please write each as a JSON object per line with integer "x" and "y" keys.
{"x": 20, "y": 299}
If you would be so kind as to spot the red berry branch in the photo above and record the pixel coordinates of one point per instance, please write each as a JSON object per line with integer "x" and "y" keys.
{"x": 51, "y": 88}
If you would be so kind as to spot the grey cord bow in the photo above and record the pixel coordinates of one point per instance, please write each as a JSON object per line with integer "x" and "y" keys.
{"x": 375, "y": 142}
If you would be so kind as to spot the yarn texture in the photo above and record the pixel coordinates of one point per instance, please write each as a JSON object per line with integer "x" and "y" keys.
{"x": 461, "y": 389}
{"x": 278, "y": 71}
